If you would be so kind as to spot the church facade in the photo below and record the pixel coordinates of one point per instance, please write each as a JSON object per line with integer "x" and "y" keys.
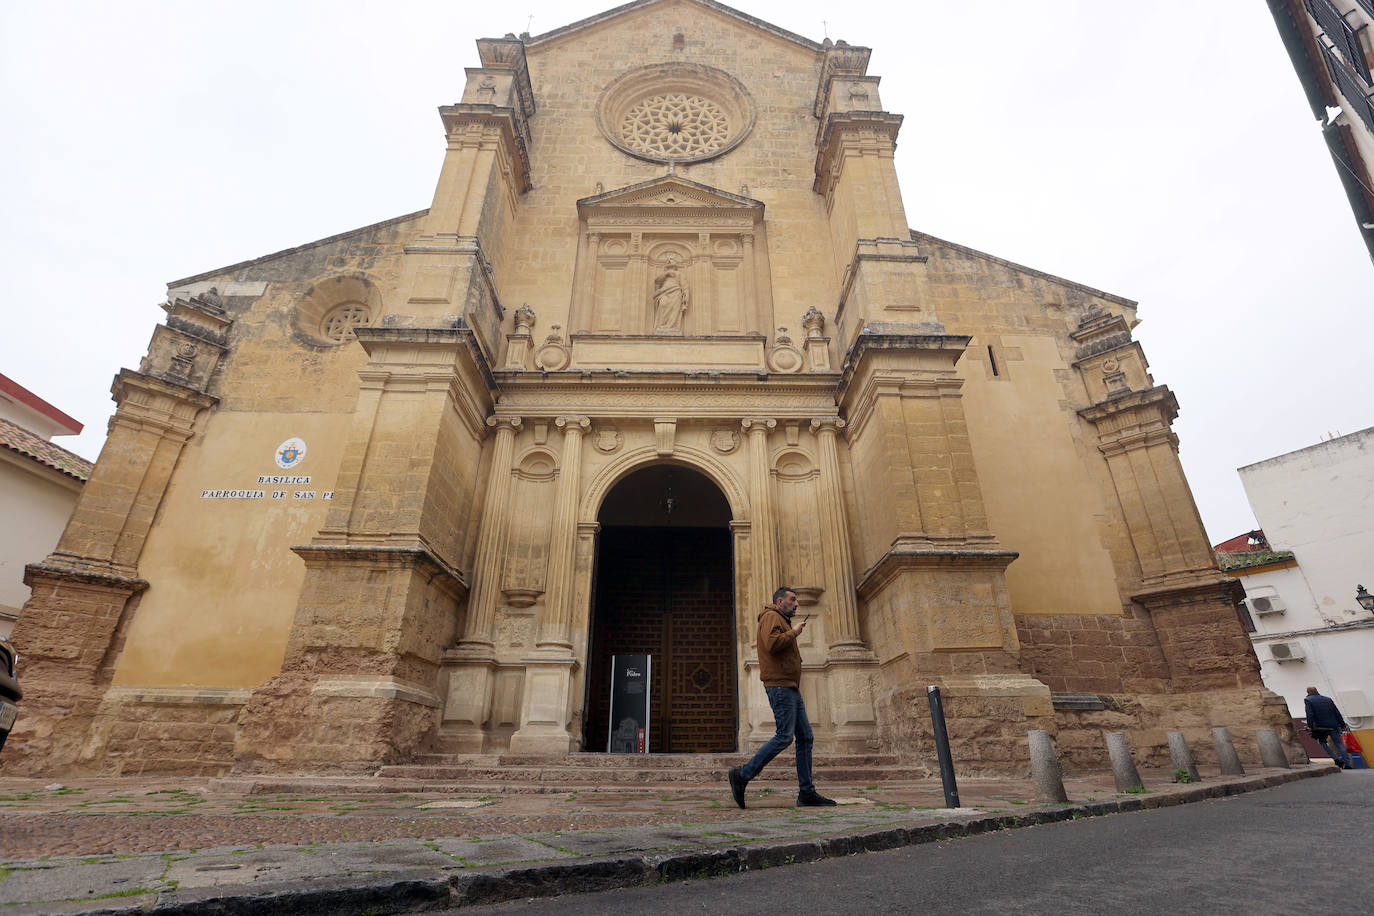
{"x": 663, "y": 341}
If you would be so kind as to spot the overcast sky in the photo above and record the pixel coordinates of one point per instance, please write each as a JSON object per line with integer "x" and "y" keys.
{"x": 1170, "y": 159}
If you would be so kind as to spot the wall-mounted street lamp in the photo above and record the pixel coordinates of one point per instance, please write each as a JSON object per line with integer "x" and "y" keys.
{"x": 1365, "y": 598}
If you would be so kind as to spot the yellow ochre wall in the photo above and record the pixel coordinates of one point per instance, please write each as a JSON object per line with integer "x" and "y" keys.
{"x": 223, "y": 580}
{"x": 1042, "y": 476}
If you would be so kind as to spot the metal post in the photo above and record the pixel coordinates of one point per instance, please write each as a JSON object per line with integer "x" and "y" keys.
{"x": 937, "y": 719}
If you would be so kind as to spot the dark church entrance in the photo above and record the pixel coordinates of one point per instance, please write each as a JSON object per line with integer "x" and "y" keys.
{"x": 665, "y": 588}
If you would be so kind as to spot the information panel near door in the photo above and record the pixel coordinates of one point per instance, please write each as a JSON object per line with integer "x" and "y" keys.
{"x": 629, "y": 725}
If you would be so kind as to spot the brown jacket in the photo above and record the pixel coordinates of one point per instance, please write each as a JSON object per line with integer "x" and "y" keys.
{"x": 779, "y": 657}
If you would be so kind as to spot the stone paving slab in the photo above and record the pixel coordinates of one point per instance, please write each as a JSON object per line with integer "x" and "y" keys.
{"x": 82, "y": 878}
{"x": 497, "y": 850}
{"x": 448, "y": 865}
{"x": 291, "y": 863}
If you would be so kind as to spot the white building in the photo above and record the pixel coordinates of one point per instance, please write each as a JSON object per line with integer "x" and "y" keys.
{"x": 1301, "y": 572}
{"x": 1332, "y": 50}
{"x": 39, "y": 483}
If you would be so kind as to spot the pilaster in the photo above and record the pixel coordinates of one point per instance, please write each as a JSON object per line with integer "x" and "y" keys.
{"x": 491, "y": 544}
{"x": 765, "y": 542}
{"x": 547, "y": 700}
{"x": 932, "y": 569}
{"x": 85, "y": 592}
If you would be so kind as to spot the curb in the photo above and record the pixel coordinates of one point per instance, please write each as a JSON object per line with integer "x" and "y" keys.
{"x": 430, "y": 890}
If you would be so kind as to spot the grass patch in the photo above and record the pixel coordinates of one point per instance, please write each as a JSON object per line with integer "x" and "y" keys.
{"x": 127, "y": 892}
{"x": 1135, "y": 790}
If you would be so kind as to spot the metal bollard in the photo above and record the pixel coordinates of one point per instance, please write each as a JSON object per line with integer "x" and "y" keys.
{"x": 937, "y": 719}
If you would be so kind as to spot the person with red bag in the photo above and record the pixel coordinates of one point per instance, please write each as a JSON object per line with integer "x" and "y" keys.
{"x": 1326, "y": 723}
{"x": 1352, "y": 747}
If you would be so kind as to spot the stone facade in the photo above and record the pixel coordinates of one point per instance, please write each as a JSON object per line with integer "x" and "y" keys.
{"x": 355, "y": 502}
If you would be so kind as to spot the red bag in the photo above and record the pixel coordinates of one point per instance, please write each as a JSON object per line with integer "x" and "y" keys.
{"x": 1351, "y": 743}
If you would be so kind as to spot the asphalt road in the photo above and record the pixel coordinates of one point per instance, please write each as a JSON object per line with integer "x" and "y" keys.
{"x": 1301, "y": 848}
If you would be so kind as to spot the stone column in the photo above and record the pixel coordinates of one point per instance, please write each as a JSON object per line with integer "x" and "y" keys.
{"x": 558, "y": 612}
{"x": 472, "y": 663}
{"x": 546, "y": 702}
{"x": 491, "y": 544}
{"x": 764, "y": 535}
{"x": 850, "y": 665}
{"x": 835, "y": 551}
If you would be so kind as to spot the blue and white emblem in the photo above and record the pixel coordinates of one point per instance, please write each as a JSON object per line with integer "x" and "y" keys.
{"x": 290, "y": 453}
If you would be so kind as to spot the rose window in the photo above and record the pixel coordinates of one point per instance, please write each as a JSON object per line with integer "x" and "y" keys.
{"x": 676, "y": 126}
{"x": 339, "y": 323}
{"x": 675, "y": 112}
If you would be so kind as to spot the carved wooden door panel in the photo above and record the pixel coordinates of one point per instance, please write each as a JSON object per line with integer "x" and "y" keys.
{"x": 667, "y": 592}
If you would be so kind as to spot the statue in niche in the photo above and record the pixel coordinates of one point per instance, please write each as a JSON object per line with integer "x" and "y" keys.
{"x": 670, "y": 298}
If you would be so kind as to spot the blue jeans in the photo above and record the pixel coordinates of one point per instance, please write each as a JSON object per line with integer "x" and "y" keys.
{"x": 789, "y": 714}
{"x": 1331, "y": 741}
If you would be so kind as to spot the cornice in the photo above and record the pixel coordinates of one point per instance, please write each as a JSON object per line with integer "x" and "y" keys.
{"x": 70, "y": 575}
{"x": 403, "y": 557}
{"x": 485, "y": 118}
{"x": 898, "y": 559}
{"x": 1159, "y": 397}
{"x": 868, "y": 344}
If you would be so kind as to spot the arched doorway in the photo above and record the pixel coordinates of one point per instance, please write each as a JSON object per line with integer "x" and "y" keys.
{"x": 664, "y": 586}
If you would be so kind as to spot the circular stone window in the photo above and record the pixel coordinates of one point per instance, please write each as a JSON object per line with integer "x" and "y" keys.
{"x": 675, "y": 112}
{"x": 340, "y": 321}
{"x": 327, "y": 314}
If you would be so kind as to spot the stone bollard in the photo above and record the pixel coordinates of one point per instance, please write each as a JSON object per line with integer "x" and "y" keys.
{"x": 1271, "y": 750}
{"x": 1226, "y": 753}
{"x": 1049, "y": 783}
{"x": 1183, "y": 756}
{"x": 1123, "y": 767}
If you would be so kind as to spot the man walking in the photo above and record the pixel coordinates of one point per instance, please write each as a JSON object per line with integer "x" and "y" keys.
{"x": 780, "y": 671}
{"x": 1326, "y": 723}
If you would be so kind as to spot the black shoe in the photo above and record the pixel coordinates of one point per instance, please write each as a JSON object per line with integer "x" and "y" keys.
{"x": 814, "y": 799}
{"x": 737, "y": 784}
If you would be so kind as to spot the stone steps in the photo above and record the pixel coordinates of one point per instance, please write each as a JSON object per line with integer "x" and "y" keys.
{"x": 512, "y": 774}
{"x": 643, "y": 761}
{"x": 523, "y": 773}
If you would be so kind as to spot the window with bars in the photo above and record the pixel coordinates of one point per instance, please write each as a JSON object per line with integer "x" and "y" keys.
{"x": 1341, "y": 35}
{"x": 1350, "y": 88}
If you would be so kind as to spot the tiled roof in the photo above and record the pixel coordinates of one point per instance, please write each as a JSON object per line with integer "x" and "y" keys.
{"x": 18, "y": 439}
{"x": 1229, "y": 562}
{"x": 1248, "y": 542}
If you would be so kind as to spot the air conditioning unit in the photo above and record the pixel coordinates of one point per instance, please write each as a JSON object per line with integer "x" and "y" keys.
{"x": 1267, "y": 604}
{"x": 1286, "y": 651}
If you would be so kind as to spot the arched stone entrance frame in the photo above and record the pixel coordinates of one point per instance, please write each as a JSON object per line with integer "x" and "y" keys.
{"x": 731, "y": 487}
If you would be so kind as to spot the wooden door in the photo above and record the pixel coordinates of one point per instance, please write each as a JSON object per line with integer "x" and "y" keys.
{"x": 667, "y": 592}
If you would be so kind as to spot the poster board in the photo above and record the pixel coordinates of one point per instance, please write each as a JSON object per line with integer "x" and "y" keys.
{"x": 629, "y": 718}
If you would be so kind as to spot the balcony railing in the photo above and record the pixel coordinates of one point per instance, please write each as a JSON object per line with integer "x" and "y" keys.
{"x": 1341, "y": 35}
{"x": 1350, "y": 88}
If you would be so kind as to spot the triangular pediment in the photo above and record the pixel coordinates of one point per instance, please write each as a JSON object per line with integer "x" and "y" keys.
{"x": 638, "y": 6}
{"x": 667, "y": 192}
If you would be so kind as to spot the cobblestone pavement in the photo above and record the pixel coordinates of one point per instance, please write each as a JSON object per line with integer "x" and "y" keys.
{"x": 157, "y": 841}
{"x": 125, "y": 816}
